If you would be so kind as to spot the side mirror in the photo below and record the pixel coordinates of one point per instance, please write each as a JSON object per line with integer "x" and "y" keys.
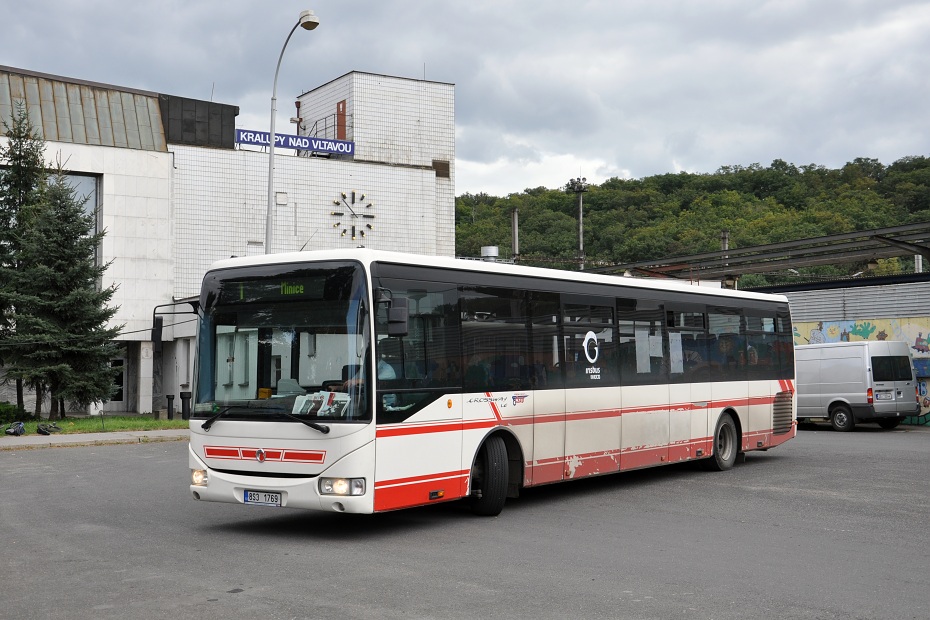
{"x": 398, "y": 317}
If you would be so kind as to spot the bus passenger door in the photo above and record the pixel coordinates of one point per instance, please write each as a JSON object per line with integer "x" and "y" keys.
{"x": 644, "y": 366}
{"x": 592, "y": 392}
{"x": 418, "y": 404}
{"x": 545, "y": 459}
{"x": 727, "y": 354}
{"x": 689, "y": 387}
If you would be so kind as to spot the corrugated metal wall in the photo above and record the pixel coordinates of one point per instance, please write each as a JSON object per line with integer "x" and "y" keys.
{"x": 848, "y": 304}
{"x": 83, "y": 113}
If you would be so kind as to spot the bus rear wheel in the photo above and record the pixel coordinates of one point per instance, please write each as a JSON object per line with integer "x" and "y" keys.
{"x": 489, "y": 478}
{"x": 726, "y": 445}
{"x": 889, "y": 424}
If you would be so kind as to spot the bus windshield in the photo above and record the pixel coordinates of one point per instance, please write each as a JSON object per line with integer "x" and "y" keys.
{"x": 278, "y": 345}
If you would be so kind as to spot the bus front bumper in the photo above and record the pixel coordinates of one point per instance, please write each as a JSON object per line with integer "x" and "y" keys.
{"x": 304, "y": 492}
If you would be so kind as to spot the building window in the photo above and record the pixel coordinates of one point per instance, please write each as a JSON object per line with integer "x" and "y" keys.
{"x": 119, "y": 379}
{"x": 85, "y": 186}
{"x": 442, "y": 169}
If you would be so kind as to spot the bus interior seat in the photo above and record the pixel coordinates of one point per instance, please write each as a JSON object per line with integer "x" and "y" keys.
{"x": 289, "y": 386}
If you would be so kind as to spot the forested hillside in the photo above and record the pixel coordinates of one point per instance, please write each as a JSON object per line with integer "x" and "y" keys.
{"x": 681, "y": 214}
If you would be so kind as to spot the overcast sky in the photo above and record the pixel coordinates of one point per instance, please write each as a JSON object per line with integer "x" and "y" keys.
{"x": 545, "y": 91}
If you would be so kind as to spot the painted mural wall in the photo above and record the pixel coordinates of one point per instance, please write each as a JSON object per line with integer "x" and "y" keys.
{"x": 914, "y": 330}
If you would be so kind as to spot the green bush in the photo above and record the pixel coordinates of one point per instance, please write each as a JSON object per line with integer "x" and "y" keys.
{"x": 12, "y": 413}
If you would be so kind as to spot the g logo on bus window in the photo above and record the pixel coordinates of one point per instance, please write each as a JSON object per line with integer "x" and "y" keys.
{"x": 590, "y": 342}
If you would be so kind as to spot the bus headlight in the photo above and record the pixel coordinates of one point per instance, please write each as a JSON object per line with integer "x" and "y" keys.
{"x": 342, "y": 486}
{"x": 199, "y": 477}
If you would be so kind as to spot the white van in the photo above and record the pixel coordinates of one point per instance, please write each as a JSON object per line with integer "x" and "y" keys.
{"x": 849, "y": 382}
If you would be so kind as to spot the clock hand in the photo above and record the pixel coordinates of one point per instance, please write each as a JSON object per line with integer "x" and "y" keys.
{"x": 354, "y": 214}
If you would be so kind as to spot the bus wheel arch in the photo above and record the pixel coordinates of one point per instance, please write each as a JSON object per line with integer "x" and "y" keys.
{"x": 726, "y": 442}
{"x": 496, "y": 473}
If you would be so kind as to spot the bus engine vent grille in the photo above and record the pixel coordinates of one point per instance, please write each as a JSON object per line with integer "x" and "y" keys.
{"x": 781, "y": 413}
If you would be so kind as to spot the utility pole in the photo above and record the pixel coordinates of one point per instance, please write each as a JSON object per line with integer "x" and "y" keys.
{"x": 579, "y": 186}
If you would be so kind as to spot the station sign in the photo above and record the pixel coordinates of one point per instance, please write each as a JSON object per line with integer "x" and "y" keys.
{"x": 300, "y": 143}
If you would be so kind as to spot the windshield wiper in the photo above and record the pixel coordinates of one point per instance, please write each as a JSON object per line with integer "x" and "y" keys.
{"x": 219, "y": 414}
{"x": 222, "y": 412}
{"x": 317, "y": 427}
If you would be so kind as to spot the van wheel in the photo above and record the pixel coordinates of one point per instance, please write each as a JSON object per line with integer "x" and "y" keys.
{"x": 842, "y": 418}
{"x": 725, "y": 445}
{"x": 889, "y": 424}
{"x": 489, "y": 478}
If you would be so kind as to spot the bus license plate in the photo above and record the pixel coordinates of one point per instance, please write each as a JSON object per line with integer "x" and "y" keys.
{"x": 262, "y": 498}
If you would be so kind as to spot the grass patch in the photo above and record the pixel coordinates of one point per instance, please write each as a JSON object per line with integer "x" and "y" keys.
{"x": 108, "y": 424}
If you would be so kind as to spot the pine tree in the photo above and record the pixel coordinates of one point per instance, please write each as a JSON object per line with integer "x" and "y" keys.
{"x": 62, "y": 339}
{"x": 22, "y": 184}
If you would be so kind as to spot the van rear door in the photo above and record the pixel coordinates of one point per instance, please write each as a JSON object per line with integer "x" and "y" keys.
{"x": 893, "y": 385}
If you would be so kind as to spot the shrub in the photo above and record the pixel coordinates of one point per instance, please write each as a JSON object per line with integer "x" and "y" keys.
{"x": 12, "y": 413}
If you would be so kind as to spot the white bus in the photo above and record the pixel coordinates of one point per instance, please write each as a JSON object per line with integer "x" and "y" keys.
{"x": 364, "y": 381}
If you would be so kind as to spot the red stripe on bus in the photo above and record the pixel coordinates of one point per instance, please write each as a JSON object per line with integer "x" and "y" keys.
{"x": 418, "y": 493}
{"x": 304, "y": 456}
{"x": 494, "y": 409}
{"x": 421, "y": 478}
{"x": 581, "y": 465}
{"x": 440, "y": 427}
{"x": 549, "y": 471}
{"x": 271, "y": 454}
{"x": 218, "y": 452}
{"x": 415, "y": 490}
{"x": 643, "y": 457}
{"x": 445, "y": 427}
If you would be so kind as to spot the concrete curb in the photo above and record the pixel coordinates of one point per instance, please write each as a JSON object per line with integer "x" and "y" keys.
{"x": 33, "y": 442}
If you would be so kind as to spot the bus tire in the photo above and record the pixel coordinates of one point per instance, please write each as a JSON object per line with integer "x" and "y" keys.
{"x": 489, "y": 478}
{"x": 841, "y": 419}
{"x": 726, "y": 445}
{"x": 889, "y": 424}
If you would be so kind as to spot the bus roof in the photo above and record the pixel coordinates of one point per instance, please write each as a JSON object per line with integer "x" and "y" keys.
{"x": 367, "y": 256}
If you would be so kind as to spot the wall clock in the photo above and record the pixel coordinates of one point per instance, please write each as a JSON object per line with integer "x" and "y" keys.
{"x": 356, "y": 216}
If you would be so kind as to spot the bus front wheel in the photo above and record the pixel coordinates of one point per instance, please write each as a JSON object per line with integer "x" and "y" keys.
{"x": 489, "y": 478}
{"x": 725, "y": 445}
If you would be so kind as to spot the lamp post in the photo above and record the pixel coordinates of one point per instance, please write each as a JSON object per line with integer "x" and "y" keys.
{"x": 308, "y": 21}
{"x": 579, "y": 186}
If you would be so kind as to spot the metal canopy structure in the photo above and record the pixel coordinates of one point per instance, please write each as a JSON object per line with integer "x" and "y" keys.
{"x": 855, "y": 247}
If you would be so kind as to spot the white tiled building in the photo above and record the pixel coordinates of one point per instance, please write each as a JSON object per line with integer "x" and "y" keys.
{"x": 176, "y": 193}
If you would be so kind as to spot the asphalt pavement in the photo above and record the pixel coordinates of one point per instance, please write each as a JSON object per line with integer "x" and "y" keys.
{"x": 61, "y": 440}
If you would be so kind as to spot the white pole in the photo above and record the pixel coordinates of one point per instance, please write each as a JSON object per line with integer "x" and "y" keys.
{"x": 269, "y": 216}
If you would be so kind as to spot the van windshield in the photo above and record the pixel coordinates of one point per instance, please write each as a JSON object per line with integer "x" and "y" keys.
{"x": 891, "y": 368}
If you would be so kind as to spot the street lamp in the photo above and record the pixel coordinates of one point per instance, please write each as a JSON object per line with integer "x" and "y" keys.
{"x": 308, "y": 21}
{"x": 579, "y": 186}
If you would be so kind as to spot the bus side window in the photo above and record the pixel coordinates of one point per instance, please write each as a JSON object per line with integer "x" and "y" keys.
{"x": 495, "y": 338}
{"x": 425, "y": 360}
{"x": 589, "y": 332}
{"x": 643, "y": 353}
